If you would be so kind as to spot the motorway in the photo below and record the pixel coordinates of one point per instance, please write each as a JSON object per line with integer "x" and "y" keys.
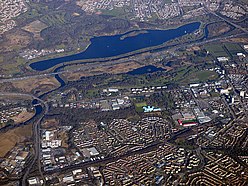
{"x": 231, "y": 23}
{"x": 36, "y": 133}
{"x": 114, "y": 58}
{"x": 135, "y": 53}
{"x": 115, "y": 158}
{"x": 36, "y": 125}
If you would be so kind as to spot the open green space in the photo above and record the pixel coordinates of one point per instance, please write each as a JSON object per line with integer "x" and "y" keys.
{"x": 204, "y": 75}
{"x": 139, "y": 106}
{"x": 186, "y": 75}
{"x": 114, "y": 12}
{"x": 167, "y": 1}
{"x": 31, "y": 14}
{"x": 233, "y": 48}
{"x": 35, "y": 11}
{"x": 57, "y": 18}
{"x": 216, "y": 50}
{"x": 92, "y": 93}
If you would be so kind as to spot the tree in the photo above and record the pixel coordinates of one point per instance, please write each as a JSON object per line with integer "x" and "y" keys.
{"x": 10, "y": 122}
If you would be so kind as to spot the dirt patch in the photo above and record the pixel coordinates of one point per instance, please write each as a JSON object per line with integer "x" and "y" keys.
{"x": 35, "y": 27}
{"x": 217, "y": 29}
{"x": 121, "y": 68}
{"x": 64, "y": 136}
{"x": 37, "y": 85}
{"x": 100, "y": 69}
{"x": 76, "y": 76}
{"x": 9, "y": 139}
{"x": 7, "y": 87}
{"x": 15, "y": 40}
{"x": 50, "y": 123}
{"x": 167, "y": 68}
{"x": 238, "y": 40}
{"x": 23, "y": 116}
{"x": 194, "y": 48}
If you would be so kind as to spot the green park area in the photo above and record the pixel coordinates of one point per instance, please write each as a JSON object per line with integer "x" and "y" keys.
{"x": 118, "y": 12}
{"x": 187, "y": 75}
{"x": 57, "y": 18}
{"x": 233, "y": 48}
{"x": 139, "y": 106}
{"x": 217, "y": 50}
{"x": 224, "y": 50}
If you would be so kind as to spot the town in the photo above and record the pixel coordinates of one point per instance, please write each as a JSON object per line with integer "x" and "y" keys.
{"x": 8, "y": 11}
{"x": 145, "y": 10}
{"x": 203, "y": 116}
{"x": 171, "y": 113}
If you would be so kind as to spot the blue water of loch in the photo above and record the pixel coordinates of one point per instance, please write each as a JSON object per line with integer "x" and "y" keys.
{"x": 145, "y": 70}
{"x": 109, "y": 46}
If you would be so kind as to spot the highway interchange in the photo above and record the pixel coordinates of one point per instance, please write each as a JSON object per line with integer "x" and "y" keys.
{"x": 36, "y": 131}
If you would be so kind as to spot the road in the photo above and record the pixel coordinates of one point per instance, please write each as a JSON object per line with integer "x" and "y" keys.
{"x": 231, "y": 23}
{"x": 36, "y": 125}
{"x": 146, "y": 149}
{"x": 234, "y": 91}
{"x": 113, "y": 58}
{"x": 36, "y": 133}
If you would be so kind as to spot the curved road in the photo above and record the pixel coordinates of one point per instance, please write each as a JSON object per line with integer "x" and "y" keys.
{"x": 228, "y": 21}
{"x": 36, "y": 133}
{"x": 36, "y": 125}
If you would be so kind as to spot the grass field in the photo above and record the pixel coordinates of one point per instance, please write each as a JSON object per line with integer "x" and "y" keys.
{"x": 114, "y": 12}
{"x": 92, "y": 93}
{"x": 36, "y": 84}
{"x": 233, "y": 48}
{"x": 187, "y": 75}
{"x": 139, "y": 106}
{"x": 54, "y": 19}
{"x": 181, "y": 73}
{"x": 167, "y": 1}
{"x": 216, "y": 50}
{"x": 219, "y": 28}
{"x": 32, "y": 13}
{"x": 204, "y": 75}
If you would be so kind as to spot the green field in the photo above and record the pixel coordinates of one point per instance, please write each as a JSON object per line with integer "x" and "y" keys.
{"x": 92, "y": 93}
{"x": 216, "y": 50}
{"x": 31, "y": 14}
{"x": 187, "y": 75}
{"x": 139, "y": 106}
{"x": 200, "y": 77}
{"x": 204, "y": 75}
{"x": 115, "y": 12}
{"x": 54, "y": 19}
{"x": 233, "y": 48}
{"x": 36, "y": 10}
{"x": 167, "y": 1}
